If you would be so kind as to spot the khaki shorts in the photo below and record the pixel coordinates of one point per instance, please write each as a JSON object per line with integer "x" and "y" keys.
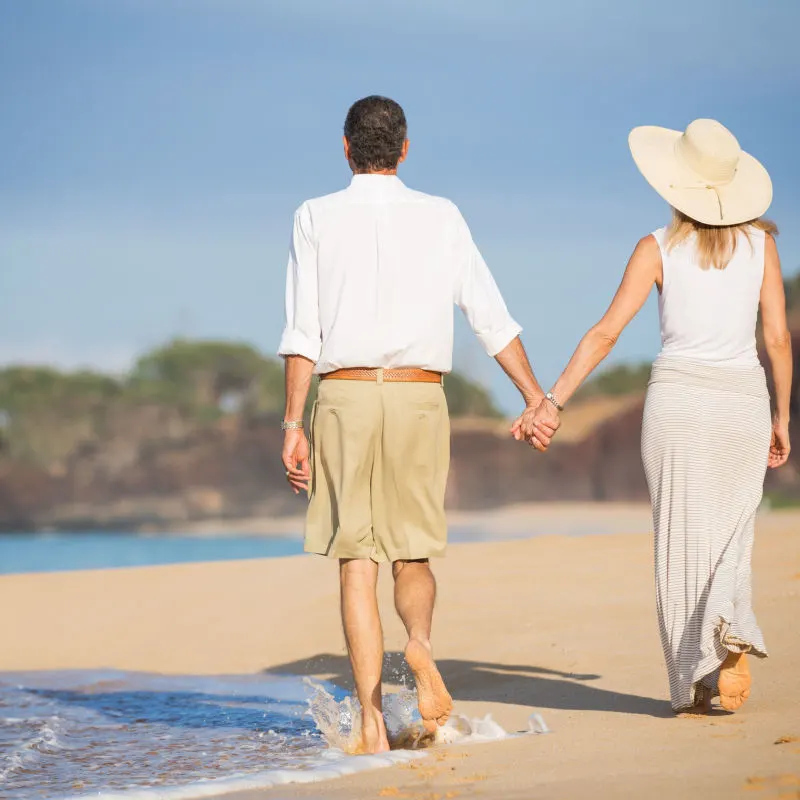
{"x": 380, "y": 453}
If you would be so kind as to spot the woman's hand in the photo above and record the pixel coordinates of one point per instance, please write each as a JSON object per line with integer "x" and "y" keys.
{"x": 538, "y": 425}
{"x": 779, "y": 447}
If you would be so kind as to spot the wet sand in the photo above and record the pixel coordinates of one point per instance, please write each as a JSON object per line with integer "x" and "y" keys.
{"x": 564, "y": 626}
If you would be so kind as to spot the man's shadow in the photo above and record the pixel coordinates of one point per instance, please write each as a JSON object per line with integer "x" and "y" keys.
{"x": 484, "y": 681}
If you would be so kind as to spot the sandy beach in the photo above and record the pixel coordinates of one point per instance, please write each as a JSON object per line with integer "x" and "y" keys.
{"x": 559, "y": 625}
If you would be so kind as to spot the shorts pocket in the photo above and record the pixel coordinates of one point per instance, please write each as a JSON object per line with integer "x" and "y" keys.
{"x": 427, "y": 406}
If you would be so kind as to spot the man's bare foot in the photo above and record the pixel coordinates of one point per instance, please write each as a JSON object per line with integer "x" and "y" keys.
{"x": 734, "y": 681}
{"x": 373, "y": 736}
{"x": 435, "y": 703}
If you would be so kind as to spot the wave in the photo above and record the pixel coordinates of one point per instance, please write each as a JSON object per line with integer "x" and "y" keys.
{"x": 110, "y": 735}
{"x": 25, "y": 756}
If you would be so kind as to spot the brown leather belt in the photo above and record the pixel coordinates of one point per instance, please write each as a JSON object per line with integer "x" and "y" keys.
{"x": 387, "y": 375}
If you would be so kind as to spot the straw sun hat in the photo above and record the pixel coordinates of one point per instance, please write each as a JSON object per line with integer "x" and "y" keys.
{"x": 702, "y": 172}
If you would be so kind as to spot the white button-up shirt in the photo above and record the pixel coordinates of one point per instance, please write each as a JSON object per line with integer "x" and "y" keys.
{"x": 374, "y": 273}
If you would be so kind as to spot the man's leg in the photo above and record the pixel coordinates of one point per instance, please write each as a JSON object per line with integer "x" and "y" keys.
{"x": 364, "y": 636}
{"x": 414, "y": 597}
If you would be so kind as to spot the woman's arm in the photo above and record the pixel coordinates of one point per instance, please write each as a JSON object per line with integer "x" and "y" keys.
{"x": 644, "y": 269}
{"x": 778, "y": 342}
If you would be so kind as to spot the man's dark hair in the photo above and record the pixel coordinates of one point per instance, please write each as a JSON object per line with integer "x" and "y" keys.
{"x": 376, "y": 128}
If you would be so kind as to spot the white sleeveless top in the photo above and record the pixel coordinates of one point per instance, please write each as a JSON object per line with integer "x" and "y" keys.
{"x": 709, "y": 315}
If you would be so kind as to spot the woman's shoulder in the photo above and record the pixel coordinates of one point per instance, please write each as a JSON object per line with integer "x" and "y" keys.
{"x": 660, "y": 237}
{"x": 647, "y": 254}
{"x": 654, "y": 244}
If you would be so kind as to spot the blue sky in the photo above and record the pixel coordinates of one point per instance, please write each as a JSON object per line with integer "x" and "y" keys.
{"x": 152, "y": 152}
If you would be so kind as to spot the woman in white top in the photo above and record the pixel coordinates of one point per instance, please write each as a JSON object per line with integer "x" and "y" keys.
{"x": 707, "y": 435}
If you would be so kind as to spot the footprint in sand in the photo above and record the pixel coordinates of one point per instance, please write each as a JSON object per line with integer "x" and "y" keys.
{"x": 435, "y": 703}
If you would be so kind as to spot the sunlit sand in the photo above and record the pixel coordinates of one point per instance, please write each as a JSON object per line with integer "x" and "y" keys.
{"x": 561, "y": 626}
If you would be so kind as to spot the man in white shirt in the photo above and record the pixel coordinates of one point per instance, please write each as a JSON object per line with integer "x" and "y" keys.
{"x": 374, "y": 272}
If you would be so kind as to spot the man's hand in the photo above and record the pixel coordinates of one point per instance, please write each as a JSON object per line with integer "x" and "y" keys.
{"x": 295, "y": 460}
{"x": 538, "y": 425}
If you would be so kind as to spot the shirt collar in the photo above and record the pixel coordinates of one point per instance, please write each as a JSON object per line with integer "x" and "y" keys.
{"x": 375, "y": 184}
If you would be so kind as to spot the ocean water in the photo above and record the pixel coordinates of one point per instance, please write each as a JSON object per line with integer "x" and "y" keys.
{"x": 51, "y": 552}
{"x": 56, "y": 552}
{"x": 105, "y": 735}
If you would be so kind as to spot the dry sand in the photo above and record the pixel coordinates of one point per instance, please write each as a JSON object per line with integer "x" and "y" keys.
{"x": 561, "y": 625}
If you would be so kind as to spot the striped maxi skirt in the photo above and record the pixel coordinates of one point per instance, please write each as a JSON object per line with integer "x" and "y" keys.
{"x": 705, "y": 442}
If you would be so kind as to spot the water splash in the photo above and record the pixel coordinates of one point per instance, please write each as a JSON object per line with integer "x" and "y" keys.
{"x": 339, "y": 722}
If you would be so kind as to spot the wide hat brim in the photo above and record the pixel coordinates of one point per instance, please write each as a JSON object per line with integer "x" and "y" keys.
{"x": 746, "y": 197}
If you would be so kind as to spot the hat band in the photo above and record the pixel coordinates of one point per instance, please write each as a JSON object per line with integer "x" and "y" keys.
{"x": 714, "y": 187}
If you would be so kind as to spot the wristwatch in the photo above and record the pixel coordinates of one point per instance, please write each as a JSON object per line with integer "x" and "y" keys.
{"x": 552, "y": 398}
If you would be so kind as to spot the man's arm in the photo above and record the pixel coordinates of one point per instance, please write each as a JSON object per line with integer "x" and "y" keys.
{"x": 300, "y": 344}
{"x": 295, "y": 455}
{"x": 514, "y": 361}
{"x": 479, "y": 298}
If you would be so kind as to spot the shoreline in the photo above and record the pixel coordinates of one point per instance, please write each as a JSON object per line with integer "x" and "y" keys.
{"x": 518, "y": 520}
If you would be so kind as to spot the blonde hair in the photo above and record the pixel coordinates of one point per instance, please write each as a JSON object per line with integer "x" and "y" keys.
{"x": 715, "y": 245}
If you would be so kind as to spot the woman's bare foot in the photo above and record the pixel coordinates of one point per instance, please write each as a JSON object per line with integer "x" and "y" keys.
{"x": 702, "y": 705}
{"x": 373, "y": 735}
{"x": 435, "y": 703}
{"x": 734, "y": 681}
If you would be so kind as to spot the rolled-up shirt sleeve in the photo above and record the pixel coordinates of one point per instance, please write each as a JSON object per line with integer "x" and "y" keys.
{"x": 477, "y": 295}
{"x": 302, "y": 334}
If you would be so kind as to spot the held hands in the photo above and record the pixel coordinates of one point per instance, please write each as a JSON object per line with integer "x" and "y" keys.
{"x": 295, "y": 460}
{"x": 779, "y": 447}
{"x": 537, "y": 425}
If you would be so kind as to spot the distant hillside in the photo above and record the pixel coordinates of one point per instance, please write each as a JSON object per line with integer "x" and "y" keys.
{"x": 192, "y": 434}
{"x": 186, "y": 386}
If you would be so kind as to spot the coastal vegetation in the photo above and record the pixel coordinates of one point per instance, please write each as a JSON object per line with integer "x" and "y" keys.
{"x": 45, "y": 413}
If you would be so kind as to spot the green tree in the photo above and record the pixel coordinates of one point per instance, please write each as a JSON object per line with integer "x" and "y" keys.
{"x": 44, "y": 412}
{"x": 208, "y": 378}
